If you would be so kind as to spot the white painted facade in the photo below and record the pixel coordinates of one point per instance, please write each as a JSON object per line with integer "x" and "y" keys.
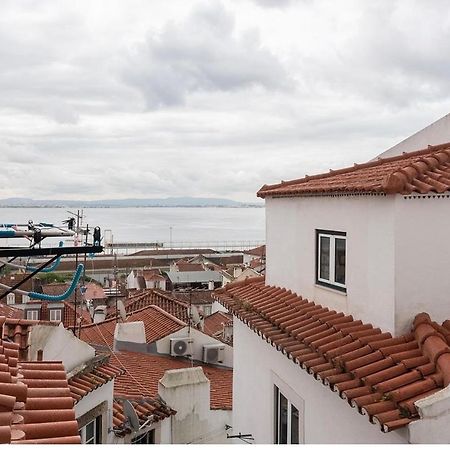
{"x": 196, "y": 348}
{"x": 324, "y": 417}
{"x": 188, "y": 392}
{"x": 436, "y": 133}
{"x": 394, "y": 245}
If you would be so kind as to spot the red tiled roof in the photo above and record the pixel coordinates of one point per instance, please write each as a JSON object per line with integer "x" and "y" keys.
{"x": 35, "y": 402}
{"x": 148, "y": 369}
{"x": 58, "y": 289}
{"x": 257, "y": 251}
{"x": 154, "y": 297}
{"x": 10, "y": 312}
{"x": 157, "y": 323}
{"x": 92, "y": 378}
{"x": 425, "y": 171}
{"x": 215, "y": 322}
{"x": 189, "y": 267}
{"x": 379, "y": 375}
{"x": 69, "y": 315}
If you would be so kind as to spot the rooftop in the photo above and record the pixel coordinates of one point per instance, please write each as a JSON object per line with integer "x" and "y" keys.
{"x": 157, "y": 323}
{"x": 424, "y": 171}
{"x": 148, "y": 369}
{"x": 379, "y": 375}
{"x": 36, "y": 405}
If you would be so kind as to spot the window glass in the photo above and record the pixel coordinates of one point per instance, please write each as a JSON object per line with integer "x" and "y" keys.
{"x": 283, "y": 419}
{"x": 339, "y": 272}
{"x": 294, "y": 425}
{"x": 90, "y": 432}
{"x": 324, "y": 258}
{"x": 55, "y": 315}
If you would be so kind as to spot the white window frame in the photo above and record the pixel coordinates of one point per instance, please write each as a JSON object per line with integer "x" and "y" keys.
{"x": 25, "y": 298}
{"x": 97, "y": 422}
{"x": 11, "y": 299}
{"x": 277, "y": 412}
{"x": 293, "y": 396}
{"x": 57, "y": 312}
{"x": 32, "y": 313}
{"x": 332, "y": 236}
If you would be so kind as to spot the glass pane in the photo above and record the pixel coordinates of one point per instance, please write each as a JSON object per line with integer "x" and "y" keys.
{"x": 90, "y": 433}
{"x": 294, "y": 425}
{"x": 339, "y": 271}
{"x": 283, "y": 419}
{"x": 324, "y": 267}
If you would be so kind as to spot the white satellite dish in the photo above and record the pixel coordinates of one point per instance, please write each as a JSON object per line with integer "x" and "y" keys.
{"x": 195, "y": 316}
{"x": 121, "y": 309}
{"x": 130, "y": 413}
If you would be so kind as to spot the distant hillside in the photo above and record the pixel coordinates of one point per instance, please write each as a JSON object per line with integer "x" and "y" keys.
{"x": 126, "y": 203}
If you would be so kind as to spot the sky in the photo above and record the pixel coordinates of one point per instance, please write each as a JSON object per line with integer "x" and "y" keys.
{"x": 209, "y": 98}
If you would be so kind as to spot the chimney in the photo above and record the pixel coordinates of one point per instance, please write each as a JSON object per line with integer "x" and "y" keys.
{"x": 130, "y": 336}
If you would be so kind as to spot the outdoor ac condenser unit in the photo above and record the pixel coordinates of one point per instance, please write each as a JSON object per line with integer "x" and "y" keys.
{"x": 181, "y": 346}
{"x": 213, "y": 353}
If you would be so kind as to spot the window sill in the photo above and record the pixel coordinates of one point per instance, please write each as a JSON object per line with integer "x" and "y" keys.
{"x": 335, "y": 291}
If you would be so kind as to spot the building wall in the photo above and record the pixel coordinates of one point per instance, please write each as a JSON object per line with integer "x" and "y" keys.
{"x": 422, "y": 258}
{"x": 188, "y": 392}
{"x": 200, "y": 339}
{"x": 325, "y": 417}
{"x": 369, "y": 224}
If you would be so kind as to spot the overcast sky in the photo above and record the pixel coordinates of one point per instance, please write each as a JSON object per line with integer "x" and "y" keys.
{"x": 119, "y": 99}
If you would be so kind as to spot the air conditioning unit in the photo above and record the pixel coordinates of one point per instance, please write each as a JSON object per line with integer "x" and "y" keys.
{"x": 213, "y": 353}
{"x": 180, "y": 346}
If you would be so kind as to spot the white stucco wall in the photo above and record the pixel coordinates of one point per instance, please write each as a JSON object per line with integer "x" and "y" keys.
{"x": 422, "y": 259}
{"x": 200, "y": 339}
{"x": 369, "y": 224}
{"x": 54, "y": 341}
{"x": 325, "y": 417}
{"x": 188, "y": 392}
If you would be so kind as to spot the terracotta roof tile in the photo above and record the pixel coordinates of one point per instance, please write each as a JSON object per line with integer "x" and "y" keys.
{"x": 376, "y": 373}
{"x": 157, "y": 323}
{"x": 33, "y": 408}
{"x": 425, "y": 171}
{"x": 148, "y": 297}
{"x": 91, "y": 378}
{"x": 148, "y": 369}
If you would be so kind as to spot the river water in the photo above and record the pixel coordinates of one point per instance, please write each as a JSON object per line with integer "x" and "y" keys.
{"x": 176, "y": 225}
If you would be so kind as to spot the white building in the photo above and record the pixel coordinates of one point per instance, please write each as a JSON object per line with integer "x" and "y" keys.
{"x": 366, "y": 242}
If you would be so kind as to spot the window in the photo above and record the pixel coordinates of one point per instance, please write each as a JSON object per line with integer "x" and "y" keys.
{"x": 33, "y": 314}
{"x": 25, "y": 298}
{"x": 91, "y": 433}
{"x": 55, "y": 315}
{"x": 11, "y": 298}
{"x": 146, "y": 438}
{"x": 286, "y": 420}
{"x": 330, "y": 258}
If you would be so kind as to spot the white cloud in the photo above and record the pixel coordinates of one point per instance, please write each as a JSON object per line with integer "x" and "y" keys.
{"x": 209, "y": 98}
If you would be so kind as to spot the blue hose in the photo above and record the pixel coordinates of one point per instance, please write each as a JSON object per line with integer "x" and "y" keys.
{"x": 64, "y": 295}
{"x": 50, "y": 268}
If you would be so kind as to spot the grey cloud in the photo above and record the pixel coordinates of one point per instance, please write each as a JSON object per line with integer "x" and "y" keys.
{"x": 203, "y": 53}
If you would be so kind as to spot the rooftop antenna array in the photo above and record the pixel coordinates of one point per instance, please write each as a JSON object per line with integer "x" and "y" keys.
{"x": 35, "y": 233}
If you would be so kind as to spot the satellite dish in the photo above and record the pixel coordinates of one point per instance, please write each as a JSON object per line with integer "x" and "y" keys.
{"x": 122, "y": 312}
{"x": 195, "y": 316}
{"x": 180, "y": 347}
{"x": 130, "y": 413}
